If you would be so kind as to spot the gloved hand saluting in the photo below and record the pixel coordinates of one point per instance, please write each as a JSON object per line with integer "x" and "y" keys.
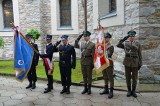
{"x": 57, "y": 43}
{"x": 79, "y": 37}
{"x": 125, "y": 38}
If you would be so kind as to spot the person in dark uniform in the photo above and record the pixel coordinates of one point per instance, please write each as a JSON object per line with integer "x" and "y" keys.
{"x": 132, "y": 60}
{"x": 49, "y": 50}
{"x": 67, "y": 60}
{"x": 32, "y": 76}
{"x": 87, "y": 55}
{"x": 108, "y": 73}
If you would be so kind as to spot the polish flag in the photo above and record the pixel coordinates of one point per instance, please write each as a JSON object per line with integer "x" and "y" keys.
{"x": 100, "y": 60}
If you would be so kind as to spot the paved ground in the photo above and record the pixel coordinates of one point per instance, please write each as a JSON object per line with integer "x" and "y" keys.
{"x": 121, "y": 85}
{"x": 14, "y": 93}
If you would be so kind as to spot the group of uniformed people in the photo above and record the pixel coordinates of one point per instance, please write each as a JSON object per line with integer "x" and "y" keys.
{"x": 67, "y": 61}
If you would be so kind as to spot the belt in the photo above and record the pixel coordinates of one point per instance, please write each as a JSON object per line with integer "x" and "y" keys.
{"x": 131, "y": 56}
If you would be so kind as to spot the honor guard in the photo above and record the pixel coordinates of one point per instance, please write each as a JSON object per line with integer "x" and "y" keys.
{"x": 32, "y": 76}
{"x": 132, "y": 60}
{"x": 108, "y": 72}
{"x": 67, "y": 61}
{"x": 49, "y": 50}
{"x": 87, "y": 54}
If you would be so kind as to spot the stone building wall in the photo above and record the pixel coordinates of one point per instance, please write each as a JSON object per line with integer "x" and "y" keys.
{"x": 149, "y": 29}
{"x": 6, "y": 53}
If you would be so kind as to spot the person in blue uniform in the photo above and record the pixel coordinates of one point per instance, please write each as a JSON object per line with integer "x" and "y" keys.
{"x": 67, "y": 61}
{"x": 50, "y": 49}
{"x": 32, "y": 76}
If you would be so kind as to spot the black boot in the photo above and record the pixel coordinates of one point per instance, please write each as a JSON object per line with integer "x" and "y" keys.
{"x": 129, "y": 93}
{"x": 29, "y": 86}
{"x": 110, "y": 93}
{"x": 105, "y": 91}
{"x": 63, "y": 90}
{"x": 68, "y": 90}
{"x": 85, "y": 90}
{"x": 133, "y": 91}
{"x": 34, "y": 85}
{"x": 89, "y": 89}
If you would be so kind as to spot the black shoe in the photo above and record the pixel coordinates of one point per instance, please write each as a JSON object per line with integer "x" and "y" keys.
{"x": 29, "y": 86}
{"x": 85, "y": 90}
{"x": 105, "y": 91}
{"x": 33, "y": 85}
{"x": 133, "y": 91}
{"x": 134, "y": 94}
{"x": 63, "y": 90}
{"x": 129, "y": 93}
{"x": 48, "y": 90}
{"x": 110, "y": 93}
{"x": 89, "y": 89}
{"x": 68, "y": 90}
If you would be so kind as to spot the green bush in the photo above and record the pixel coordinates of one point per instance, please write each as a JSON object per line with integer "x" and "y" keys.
{"x": 34, "y": 32}
{"x": 1, "y": 42}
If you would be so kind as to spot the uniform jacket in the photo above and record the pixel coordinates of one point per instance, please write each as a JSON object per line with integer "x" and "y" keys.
{"x": 49, "y": 51}
{"x": 67, "y": 56}
{"x": 133, "y": 57}
{"x": 35, "y": 56}
{"x": 87, "y": 52}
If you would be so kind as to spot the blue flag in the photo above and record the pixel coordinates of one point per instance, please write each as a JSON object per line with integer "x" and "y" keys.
{"x": 23, "y": 54}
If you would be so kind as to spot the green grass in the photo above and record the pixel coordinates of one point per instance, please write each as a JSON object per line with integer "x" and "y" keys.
{"x": 8, "y": 67}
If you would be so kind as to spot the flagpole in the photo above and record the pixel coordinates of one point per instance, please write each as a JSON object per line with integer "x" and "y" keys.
{"x": 24, "y": 38}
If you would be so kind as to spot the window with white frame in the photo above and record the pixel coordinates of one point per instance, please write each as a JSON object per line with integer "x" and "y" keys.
{"x": 65, "y": 13}
{"x": 6, "y": 11}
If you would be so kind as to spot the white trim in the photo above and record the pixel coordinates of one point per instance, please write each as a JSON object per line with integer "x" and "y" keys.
{"x": 9, "y": 32}
{"x": 5, "y": 34}
{"x": 16, "y": 12}
{"x": 55, "y": 18}
{"x": 115, "y": 20}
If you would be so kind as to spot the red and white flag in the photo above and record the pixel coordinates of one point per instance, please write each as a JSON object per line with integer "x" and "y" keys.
{"x": 49, "y": 65}
{"x": 100, "y": 60}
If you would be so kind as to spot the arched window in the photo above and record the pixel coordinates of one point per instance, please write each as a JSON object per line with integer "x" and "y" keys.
{"x": 7, "y": 12}
{"x": 65, "y": 13}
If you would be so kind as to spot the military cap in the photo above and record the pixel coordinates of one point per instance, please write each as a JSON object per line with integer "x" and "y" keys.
{"x": 28, "y": 36}
{"x": 86, "y": 33}
{"x": 131, "y": 33}
{"x": 64, "y": 37}
{"x": 48, "y": 36}
{"x": 107, "y": 35}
